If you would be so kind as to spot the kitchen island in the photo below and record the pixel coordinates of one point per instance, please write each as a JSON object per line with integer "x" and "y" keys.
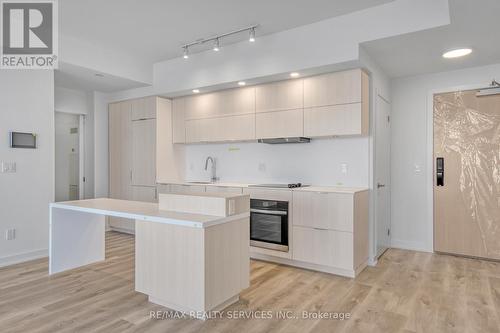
{"x": 186, "y": 261}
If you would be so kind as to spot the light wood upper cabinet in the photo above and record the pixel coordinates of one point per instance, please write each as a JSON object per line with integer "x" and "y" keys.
{"x": 178, "y": 120}
{"x": 280, "y": 124}
{"x": 337, "y": 104}
{"x": 143, "y": 108}
{"x": 343, "y": 119}
{"x": 333, "y": 88}
{"x": 279, "y": 96}
{"x": 144, "y": 152}
{"x": 331, "y": 104}
{"x": 233, "y": 128}
{"x": 169, "y": 156}
{"x": 221, "y": 103}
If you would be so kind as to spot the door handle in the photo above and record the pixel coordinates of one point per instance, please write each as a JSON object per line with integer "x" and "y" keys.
{"x": 380, "y": 185}
{"x": 440, "y": 171}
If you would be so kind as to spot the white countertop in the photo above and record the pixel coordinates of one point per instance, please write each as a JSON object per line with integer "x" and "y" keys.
{"x": 330, "y": 189}
{"x": 143, "y": 211}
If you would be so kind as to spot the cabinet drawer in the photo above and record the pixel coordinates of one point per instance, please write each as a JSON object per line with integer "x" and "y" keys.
{"x": 224, "y": 189}
{"x": 333, "y": 120}
{"x": 280, "y": 124}
{"x": 178, "y": 188}
{"x": 323, "y": 210}
{"x": 323, "y": 247}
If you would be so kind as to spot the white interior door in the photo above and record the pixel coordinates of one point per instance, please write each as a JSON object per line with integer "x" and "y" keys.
{"x": 382, "y": 174}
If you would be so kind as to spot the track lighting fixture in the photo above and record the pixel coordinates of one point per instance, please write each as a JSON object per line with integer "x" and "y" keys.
{"x": 216, "y": 40}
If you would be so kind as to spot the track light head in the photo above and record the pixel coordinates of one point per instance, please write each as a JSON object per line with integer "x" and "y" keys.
{"x": 186, "y": 52}
{"x": 216, "y": 45}
{"x": 252, "y": 35}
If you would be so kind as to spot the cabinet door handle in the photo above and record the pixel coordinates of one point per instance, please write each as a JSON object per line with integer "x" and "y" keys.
{"x": 322, "y": 229}
{"x": 130, "y": 175}
{"x": 440, "y": 171}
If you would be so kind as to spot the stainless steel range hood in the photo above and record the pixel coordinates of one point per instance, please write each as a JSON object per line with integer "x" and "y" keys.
{"x": 275, "y": 141}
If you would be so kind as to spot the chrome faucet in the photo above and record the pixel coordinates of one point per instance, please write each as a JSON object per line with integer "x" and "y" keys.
{"x": 214, "y": 177}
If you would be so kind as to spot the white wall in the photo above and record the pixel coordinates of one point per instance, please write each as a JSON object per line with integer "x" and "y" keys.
{"x": 80, "y": 102}
{"x": 411, "y": 146}
{"x": 318, "y": 162}
{"x": 26, "y": 104}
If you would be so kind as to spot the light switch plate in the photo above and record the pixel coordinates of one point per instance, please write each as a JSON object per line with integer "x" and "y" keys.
{"x": 8, "y": 167}
{"x": 343, "y": 168}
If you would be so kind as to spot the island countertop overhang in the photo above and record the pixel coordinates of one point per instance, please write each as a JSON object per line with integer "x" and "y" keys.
{"x": 144, "y": 211}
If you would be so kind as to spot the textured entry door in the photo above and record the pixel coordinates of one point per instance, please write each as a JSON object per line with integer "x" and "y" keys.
{"x": 467, "y": 174}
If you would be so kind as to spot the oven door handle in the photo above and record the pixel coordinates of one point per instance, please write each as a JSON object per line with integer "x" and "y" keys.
{"x": 269, "y": 212}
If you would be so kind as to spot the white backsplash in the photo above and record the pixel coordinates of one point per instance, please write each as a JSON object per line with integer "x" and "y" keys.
{"x": 320, "y": 162}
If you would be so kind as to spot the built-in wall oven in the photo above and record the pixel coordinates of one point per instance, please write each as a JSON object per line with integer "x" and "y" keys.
{"x": 269, "y": 224}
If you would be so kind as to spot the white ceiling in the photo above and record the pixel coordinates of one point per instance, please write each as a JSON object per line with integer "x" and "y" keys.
{"x": 154, "y": 30}
{"x": 474, "y": 24}
{"x": 80, "y": 78}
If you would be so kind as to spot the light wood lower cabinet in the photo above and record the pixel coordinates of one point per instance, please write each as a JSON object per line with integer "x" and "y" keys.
{"x": 330, "y": 230}
{"x": 180, "y": 188}
{"x": 323, "y": 247}
{"x": 280, "y": 124}
{"x": 224, "y": 189}
{"x": 323, "y": 210}
{"x": 144, "y": 193}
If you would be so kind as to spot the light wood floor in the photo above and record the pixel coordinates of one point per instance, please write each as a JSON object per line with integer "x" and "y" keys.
{"x": 407, "y": 292}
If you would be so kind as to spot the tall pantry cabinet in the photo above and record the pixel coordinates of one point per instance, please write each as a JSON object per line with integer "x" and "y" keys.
{"x": 132, "y": 153}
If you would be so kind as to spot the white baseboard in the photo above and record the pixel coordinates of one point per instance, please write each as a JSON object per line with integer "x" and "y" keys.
{"x": 23, "y": 257}
{"x": 409, "y": 245}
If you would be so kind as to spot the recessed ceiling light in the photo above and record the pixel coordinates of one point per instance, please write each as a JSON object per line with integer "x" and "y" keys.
{"x": 456, "y": 53}
{"x": 242, "y": 83}
{"x": 196, "y": 91}
{"x": 294, "y": 74}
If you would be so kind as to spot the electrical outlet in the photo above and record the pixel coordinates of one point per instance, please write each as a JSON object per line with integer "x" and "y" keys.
{"x": 417, "y": 168}
{"x": 262, "y": 167}
{"x": 10, "y": 234}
